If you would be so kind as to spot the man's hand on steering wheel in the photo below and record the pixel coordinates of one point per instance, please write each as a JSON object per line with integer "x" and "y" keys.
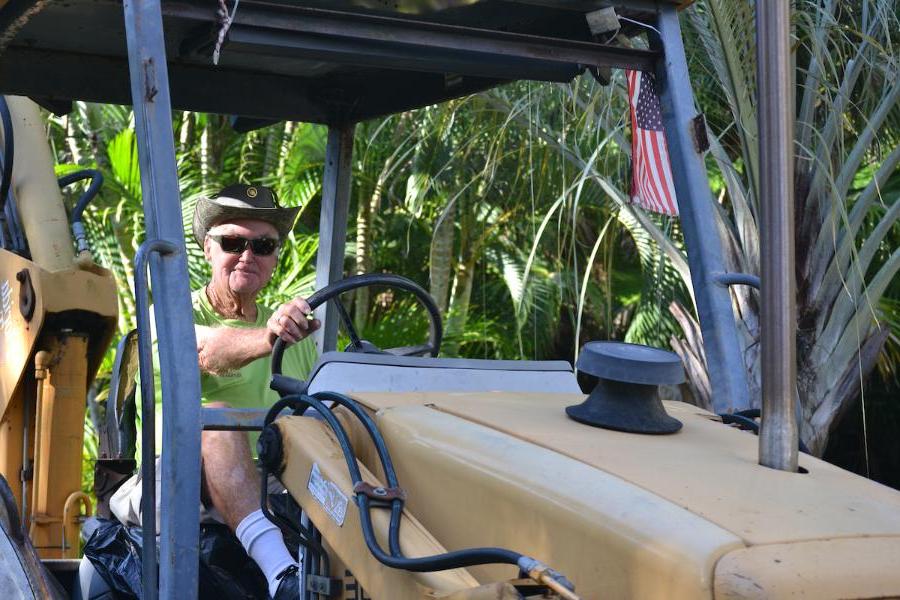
{"x": 290, "y": 322}
{"x": 331, "y": 293}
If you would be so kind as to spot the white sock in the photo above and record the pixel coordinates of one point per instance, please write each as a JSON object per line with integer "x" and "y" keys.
{"x": 264, "y": 543}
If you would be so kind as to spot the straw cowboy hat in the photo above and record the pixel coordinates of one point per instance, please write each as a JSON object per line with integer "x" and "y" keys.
{"x": 241, "y": 201}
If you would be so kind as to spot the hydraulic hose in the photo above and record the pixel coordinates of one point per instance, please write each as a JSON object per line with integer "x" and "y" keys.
{"x": 440, "y": 562}
{"x": 386, "y": 463}
{"x": 745, "y": 419}
{"x": 78, "y": 232}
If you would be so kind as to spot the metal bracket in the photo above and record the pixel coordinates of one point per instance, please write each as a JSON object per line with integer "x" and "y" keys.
{"x": 379, "y": 494}
{"x": 319, "y": 584}
{"x": 233, "y": 419}
{"x": 729, "y": 279}
{"x": 701, "y": 140}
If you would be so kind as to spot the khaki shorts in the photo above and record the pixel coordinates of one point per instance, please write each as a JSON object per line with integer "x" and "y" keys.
{"x": 125, "y": 504}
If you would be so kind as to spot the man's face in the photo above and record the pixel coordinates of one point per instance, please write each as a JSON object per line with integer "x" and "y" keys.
{"x": 244, "y": 273}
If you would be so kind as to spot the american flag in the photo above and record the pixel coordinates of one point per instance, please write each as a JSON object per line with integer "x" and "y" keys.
{"x": 651, "y": 185}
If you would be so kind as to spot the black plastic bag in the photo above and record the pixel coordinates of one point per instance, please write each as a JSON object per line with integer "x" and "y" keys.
{"x": 115, "y": 552}
{"x": 225, "y": 573}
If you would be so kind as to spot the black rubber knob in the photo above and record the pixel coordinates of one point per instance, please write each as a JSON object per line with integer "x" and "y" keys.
{"x": 627, "y": 395}
{"x": 631, "y": 363}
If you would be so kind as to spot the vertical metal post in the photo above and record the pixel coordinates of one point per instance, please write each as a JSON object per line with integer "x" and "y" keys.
{"x": 333, "y": 227}
{"x": 778, "y": 435}
{"x": 180, "y": 484}
{"x": 724, "y": 355}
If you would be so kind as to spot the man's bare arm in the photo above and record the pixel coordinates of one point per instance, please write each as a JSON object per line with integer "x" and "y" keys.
{"x": 224, "y": 349}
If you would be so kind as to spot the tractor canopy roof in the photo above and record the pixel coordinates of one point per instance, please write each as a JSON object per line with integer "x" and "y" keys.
{"x": 334, "y": 61}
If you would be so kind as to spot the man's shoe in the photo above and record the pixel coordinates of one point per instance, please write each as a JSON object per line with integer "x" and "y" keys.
{"x": 289, "y": 588}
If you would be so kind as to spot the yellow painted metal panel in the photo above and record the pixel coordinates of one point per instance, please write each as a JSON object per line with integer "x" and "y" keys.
{"x": 11, "y": 433}
{"x": 61, "y": 433}
{"x": 473, "y": 486}
{"x": 91, "y": 291}
{"x": 820, "y": 570}
{"x": 17, "y": 336}
{"x": 34, "y": 184}
{"x": 709, "y": 469}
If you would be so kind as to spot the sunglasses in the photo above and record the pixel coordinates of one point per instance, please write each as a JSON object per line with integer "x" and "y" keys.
{"x": 235, "y": 244}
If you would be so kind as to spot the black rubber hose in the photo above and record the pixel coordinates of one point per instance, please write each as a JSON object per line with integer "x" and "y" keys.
{"x": 96, "y": 178}
{"x": 745, "y": 419}
{"x": 371, "y": 428}
{"x": 384, "y": 456}
{"x": 753, "y": 413}
{"x": 440, "y": 562}
{"x": 9, "y": 148}
{"x": 739, "y": 419}
{"x": 397, "y": 505}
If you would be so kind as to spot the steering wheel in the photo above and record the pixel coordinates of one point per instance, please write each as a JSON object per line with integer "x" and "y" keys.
{"x": 332, "y": 291}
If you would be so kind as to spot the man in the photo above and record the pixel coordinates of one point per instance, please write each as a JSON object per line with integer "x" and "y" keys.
{"x": 241, "y": 230}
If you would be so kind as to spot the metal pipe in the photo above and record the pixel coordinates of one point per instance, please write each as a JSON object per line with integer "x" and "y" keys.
{"x": 333, "y": 227}
{"x": 778, "y": 431}
{"x": 177, "y": 344}
{"x": 148, "y": 412}
{"x": 26, "y": 462}
{"x": 88, "y": 508}
{"x": 41, "y": 364}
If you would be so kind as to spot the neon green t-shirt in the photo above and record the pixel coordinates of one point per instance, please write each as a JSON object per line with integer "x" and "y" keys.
{"x": 247, "y": 387}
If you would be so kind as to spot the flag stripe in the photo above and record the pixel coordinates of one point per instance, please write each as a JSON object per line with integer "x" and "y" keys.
{"x": 652, "y": 186}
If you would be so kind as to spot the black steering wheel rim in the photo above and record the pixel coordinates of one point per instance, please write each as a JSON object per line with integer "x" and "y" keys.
{"x": 332, "y": 290}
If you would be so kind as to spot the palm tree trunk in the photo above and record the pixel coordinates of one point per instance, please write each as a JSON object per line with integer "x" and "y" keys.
{"x": 274, "y": 140}
{"x": 441, "y": 259}
{"x": 461, "y": 295}
{"x": 287, "y": 139}
{"x": 71, "y": 142}
{"x": 458, "y": 315}
{"x": 205, "y": 154}
{"x": 248, "y": 157}
{"x": 186, "y": 133}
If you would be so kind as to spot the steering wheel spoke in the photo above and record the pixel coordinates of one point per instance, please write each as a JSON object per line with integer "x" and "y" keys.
{"x": 355, "y": 341}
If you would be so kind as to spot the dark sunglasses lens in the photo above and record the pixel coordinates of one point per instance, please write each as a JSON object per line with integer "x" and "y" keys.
{"x": 263, "y": 246}
{"x": 233, "y": 244}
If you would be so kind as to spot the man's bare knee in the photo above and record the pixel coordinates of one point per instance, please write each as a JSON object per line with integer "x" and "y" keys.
{"x": 234, "y": 444}
{"x": 229, "y": 475}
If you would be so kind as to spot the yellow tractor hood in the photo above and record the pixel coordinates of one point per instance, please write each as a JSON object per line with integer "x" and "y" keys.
{"x": 626, "y": 515}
